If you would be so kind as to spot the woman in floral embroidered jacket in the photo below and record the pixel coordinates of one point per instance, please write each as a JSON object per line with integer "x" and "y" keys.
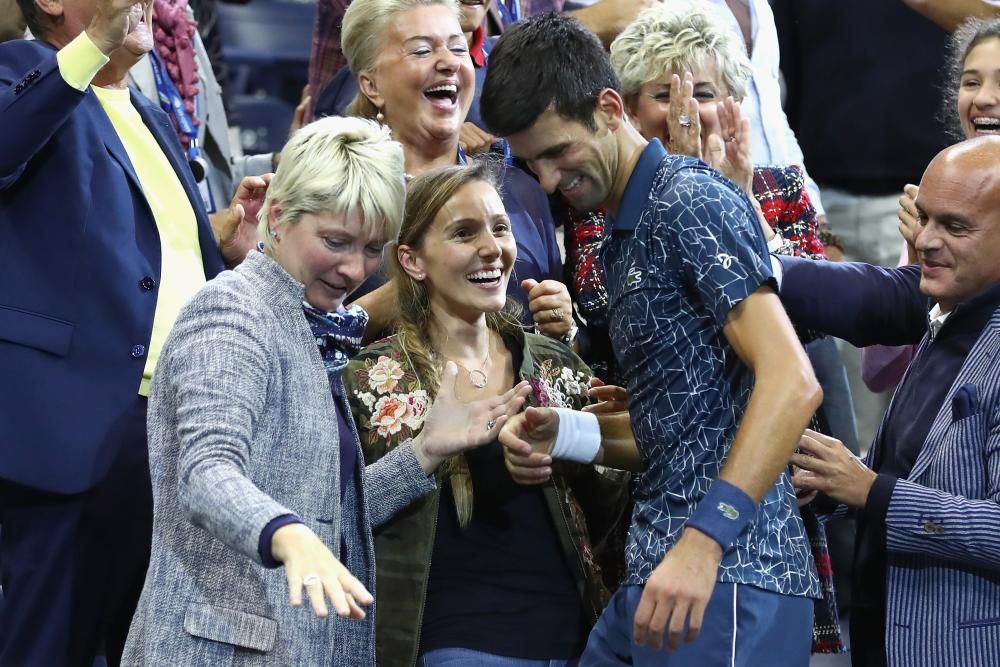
{"x": 482, "y": 568}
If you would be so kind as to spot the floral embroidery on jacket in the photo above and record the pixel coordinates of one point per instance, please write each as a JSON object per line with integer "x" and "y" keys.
{"x": 394, "y": 415}
{"x": 556, "y": 386}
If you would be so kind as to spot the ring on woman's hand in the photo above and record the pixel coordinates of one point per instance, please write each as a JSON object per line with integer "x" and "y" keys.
{"x": 684, "y": 120}
{"x": 490, "y": 424}
{"x": 311, "y": 579}
{"x": 732, "y": 138}
{"x": 557, "y": 314}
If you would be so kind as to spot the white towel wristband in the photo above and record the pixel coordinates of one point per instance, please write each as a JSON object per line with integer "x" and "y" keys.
{"x": 579, "y": 437}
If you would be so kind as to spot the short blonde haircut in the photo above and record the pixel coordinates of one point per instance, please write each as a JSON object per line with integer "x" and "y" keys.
{"x": 362, "y": 37}
{"x": 679, "y": 36}
{"x": 340, "y": 165}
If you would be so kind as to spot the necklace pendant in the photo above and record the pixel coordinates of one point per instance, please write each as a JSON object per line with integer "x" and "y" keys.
{"x": 478, "y": 378}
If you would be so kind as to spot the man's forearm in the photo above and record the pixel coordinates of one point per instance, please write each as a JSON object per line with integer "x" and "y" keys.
{"x": 618, "y": 447}
{"x": 949, "y": 14}
{"x": 784, "y": 398}
{"x": 382, "y": 309}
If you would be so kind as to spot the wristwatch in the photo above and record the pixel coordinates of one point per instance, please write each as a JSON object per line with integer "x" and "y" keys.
{"x": 570, "y": 335}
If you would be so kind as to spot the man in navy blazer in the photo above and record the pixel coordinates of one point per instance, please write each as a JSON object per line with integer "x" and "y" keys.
{"x": 927, "y": 496}
{"x": 95, "y": 197}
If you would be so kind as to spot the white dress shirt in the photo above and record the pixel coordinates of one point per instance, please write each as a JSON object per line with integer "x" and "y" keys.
{"x": 772, "y": 140}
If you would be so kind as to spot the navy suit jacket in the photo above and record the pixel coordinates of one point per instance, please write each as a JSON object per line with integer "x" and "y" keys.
{"x": 942, "y": 526}
{"x": 80, "y": 258}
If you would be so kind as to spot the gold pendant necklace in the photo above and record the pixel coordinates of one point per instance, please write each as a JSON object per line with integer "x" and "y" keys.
{"x": 477, "y": 376}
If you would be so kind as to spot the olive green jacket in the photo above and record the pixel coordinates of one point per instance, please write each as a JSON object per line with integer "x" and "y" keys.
{"x": 589, "y": 504}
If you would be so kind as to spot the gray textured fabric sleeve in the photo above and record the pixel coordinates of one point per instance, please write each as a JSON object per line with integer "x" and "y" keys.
{"x": 393, "y": 482}
{"x": 220, "y": 373}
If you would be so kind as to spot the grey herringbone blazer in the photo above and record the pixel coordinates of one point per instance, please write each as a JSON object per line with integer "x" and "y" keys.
{"x": 243, "y": 429}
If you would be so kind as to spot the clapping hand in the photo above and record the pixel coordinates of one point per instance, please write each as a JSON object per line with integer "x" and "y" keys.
{"x": 729, "y": 151}
{"x": 452, "y": 426}
{"x": 908, "y": 220}
{"x": 310, "y": 564}
{"x": 683, "y": 121}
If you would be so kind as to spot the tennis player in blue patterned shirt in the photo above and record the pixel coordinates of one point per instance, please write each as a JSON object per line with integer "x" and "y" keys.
{"x": 717, "y": 555}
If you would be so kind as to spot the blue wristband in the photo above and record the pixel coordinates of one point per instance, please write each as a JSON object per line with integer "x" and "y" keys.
{"x": 723, "y": 513}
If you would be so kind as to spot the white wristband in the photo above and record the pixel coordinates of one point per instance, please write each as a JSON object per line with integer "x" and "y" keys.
{"x": 579, "y": 437}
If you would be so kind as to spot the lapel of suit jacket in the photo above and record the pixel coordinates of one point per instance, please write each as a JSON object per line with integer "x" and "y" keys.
{"x": 163, "y": 132}
{"x": 975, "y": 369}
{"x": 111, "y": 139}
{"x": 159, "y": 124}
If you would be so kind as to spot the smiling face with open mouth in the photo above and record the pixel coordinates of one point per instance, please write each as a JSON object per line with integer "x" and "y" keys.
{"x": 979, "y": 90}
{"x": 473, "y": 12}
{"x": 467, "y": 254}
{"x": 423, "y": 80}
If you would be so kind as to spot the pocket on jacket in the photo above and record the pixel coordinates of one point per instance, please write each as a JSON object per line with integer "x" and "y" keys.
{"x": 36, "y": 330}
{"x": 230, "y": 626}
{"x": 979, "y": 623}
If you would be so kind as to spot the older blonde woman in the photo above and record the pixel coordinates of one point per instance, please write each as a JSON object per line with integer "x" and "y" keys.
{"x": 415, "y": 75}
{"x": 683, "y": 74}
{"x": 258, "y": 480}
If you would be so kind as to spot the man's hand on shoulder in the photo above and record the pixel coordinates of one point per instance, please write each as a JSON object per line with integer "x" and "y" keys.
{"x": 678, "y": 592}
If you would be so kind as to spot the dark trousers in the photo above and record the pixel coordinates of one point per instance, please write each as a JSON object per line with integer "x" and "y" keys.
{"x": 73, "y": 566}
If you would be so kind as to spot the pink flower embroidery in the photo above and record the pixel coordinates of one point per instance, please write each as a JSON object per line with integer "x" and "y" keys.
{"x": 389, "y": 414}
{"x": 385, "y": 374}
{"x": 540, "y": 389}
{"x": 394, "y": 412}
{"x": 417, "y": 404}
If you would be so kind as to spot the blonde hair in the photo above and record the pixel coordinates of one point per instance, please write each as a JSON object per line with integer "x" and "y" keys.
{"x": 426, "y": 195}
{"x": 679, "y": 37}
{"x": 340, "y": 165}
{"x": 362, "y": 37}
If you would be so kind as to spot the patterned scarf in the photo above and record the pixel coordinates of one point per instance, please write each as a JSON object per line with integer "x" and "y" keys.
{"x": 338, "y": 336}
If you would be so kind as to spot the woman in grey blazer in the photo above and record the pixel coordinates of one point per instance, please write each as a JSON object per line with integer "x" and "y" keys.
{"x": 254, "y": 458}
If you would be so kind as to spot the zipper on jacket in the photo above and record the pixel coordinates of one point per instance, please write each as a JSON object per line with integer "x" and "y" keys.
{"x": 360, "y": 465}
{"x": 584, "y": 572}
{"x": 427, "y": 576}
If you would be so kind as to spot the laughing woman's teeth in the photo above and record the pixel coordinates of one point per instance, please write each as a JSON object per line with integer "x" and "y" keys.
{"x": 987, "y": 125}
{"x": 484, "y": 276}
{"x": 446, "y": 88}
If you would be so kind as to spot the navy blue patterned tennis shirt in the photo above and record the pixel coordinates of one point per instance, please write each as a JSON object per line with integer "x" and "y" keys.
{"x": 684, "y": 250}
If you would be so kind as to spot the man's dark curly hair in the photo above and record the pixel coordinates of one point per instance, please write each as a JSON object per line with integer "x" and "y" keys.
{"x": 544, "y": 61}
